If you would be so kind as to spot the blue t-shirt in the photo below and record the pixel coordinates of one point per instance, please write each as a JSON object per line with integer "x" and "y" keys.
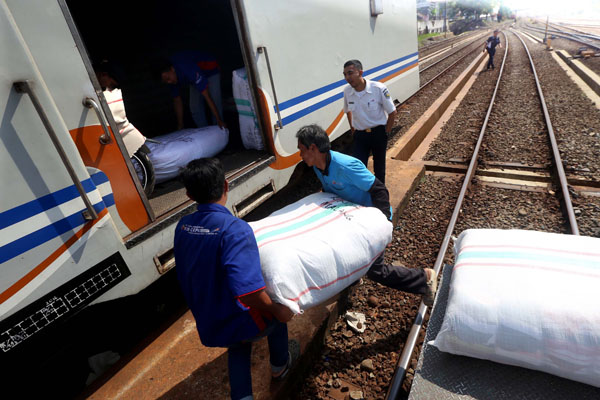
{"x": 217, "y": 262}
{"x": 348, "y": 178}
{"x": 193, "y": 68}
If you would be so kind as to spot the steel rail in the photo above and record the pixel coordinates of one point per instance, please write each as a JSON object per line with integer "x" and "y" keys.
{"x": 434, "y": 78}
{"x": 445, "y": 70}
{"x": 573, "y": 27}
{"x": 560, "y": 29}
{"x": 566, "y": 37}
{"x": 413, "y": 335}
{"x": 446, "y": 42}
{"x": 423, "y": 59}
{"x": 448, "y": 56}
{"x": 410, "y": 344}
{"x": 557, "y": 159}
{"x": 441, "y": 44}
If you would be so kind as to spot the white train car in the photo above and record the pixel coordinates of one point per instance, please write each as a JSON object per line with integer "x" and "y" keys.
{"x": 77, "y": 226}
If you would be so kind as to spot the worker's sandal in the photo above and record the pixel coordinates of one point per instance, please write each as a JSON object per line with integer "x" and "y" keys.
{"x": 293, "y": 355}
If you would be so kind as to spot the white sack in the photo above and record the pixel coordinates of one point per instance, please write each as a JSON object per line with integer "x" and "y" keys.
{"x": 251, "y": 137}
{"x": 178, "y": 148}
{"x": 526, "y": 298}
{"x": 317, "y": 246}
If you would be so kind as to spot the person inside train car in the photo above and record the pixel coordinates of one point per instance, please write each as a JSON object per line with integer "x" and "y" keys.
{"x": 218, "y": 268}
{"x": 134, "y": 141}
{"x": 371, "y": 113}
{"x": 132, "y": 138}
{"x": 348, "y": 177}
{"x": 490, "y": 46}
{"x": 199, "y": 72}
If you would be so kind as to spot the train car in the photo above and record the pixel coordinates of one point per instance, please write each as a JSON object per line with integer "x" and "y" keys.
{"x": 78, "y": 228}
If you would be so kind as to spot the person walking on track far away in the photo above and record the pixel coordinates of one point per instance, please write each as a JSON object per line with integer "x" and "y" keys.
{"x": 348, "y": 178}
{"x": 371, "y": 113}
{"x": 218, "y": 268}
{"x": 490, "y": 46}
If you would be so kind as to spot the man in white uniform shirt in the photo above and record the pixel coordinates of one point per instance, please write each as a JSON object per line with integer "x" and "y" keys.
{"x": 371, "y": 113}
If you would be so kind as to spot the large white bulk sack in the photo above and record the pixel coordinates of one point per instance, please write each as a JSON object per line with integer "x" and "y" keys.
{"x": 317, "y": 246}
{"x": 251, "y": 137}
{"x": 526, "y": 298}
{"x": 178, "y": 148}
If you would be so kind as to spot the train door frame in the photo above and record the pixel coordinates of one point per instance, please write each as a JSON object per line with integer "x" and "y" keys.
{"x": 105, "y": 109}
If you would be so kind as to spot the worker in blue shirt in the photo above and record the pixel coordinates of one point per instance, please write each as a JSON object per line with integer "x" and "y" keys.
{"x": 200, "y": 72}
{"x": 348, "y": 177}
{"x": 490, "y": 47}
{"x": 218, "y": 268}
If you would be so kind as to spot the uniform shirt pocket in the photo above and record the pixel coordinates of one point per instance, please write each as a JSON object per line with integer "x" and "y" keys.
{"x": 372, "y": 107}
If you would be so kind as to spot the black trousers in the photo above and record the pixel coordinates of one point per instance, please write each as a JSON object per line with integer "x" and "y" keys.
{"x": 491, "y": 60}
{"x": 376, "y": 142}
{"x": 411, "y": 280}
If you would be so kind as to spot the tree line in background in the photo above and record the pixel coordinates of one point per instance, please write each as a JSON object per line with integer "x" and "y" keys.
{"x": 469, "y": 9}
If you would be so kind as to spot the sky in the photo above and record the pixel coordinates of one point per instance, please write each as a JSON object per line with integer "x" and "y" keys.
{"x": 583, "y": 9}
{"x": 559, "y": 9}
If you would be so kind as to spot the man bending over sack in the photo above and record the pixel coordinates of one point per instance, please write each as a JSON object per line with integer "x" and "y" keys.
{"x": 218, "y": 268}
{"x": 348, "y": 178}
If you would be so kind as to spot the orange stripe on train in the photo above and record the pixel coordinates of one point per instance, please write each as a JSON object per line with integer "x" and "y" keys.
{"x": 20, "y": 284}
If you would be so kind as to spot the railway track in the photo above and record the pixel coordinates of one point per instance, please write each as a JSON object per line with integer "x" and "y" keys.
{"x": 471, "y": 214}
{"x": 437, "y": 77}
{"x": 572, "y": 46}
{"x": 436, "y": 57}
{"x": 426, "y": 51}
{"x": 590, "y": 41}
{"x": 437, "y": 68}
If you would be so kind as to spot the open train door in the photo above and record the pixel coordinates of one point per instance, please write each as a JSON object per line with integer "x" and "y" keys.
{"x": 94, "y": 136}
{"x": 69, "y": 76}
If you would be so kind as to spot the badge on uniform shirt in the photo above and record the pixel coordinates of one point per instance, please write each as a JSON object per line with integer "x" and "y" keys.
{"x": 386, "y": 93}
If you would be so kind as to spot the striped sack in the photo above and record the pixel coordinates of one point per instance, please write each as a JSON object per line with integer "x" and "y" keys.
{"x": 526, "y": 298}
{"x": 317, "y": 246}
{"x": 249, "y": 131}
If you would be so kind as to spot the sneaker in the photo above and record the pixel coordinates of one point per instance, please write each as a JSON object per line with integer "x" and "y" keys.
{"x": 429, "y": 295}
{"x": 293, "y": 355}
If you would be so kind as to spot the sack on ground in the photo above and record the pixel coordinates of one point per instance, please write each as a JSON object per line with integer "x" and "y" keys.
{"x": 178, "y": 148}
{"x": 526, "y": 298}
{"x": 251, "y": 137}
{"x": 316, "y": 247}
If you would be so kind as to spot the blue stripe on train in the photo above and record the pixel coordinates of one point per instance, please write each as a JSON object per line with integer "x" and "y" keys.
{"x": 49, "y": 232}
{"x": 41, "y": 204}
{"x": 306, "y": 96}
{"x": 337, "y": 96}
